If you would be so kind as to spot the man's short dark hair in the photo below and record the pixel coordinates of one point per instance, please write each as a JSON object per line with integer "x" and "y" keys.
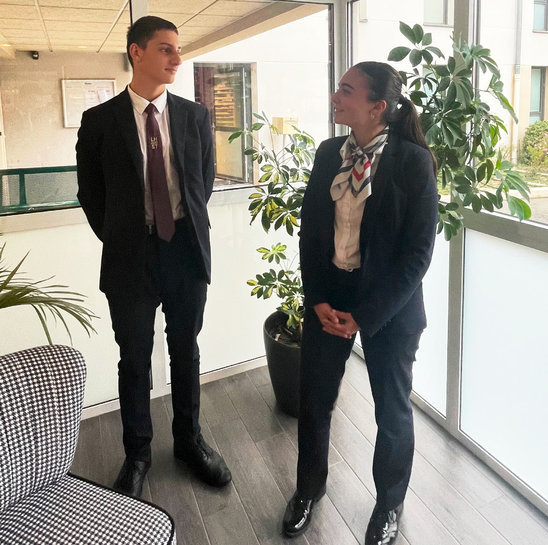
{"x": 142, "y": 31}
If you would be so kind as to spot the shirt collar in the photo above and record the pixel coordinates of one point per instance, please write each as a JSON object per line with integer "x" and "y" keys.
{"x": 140, "y": 103}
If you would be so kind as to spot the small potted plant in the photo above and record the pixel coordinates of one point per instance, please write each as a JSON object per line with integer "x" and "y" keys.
{"x": 277, "y": 202}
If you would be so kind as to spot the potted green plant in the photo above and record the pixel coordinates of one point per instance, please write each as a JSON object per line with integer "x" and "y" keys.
{"x": 460, "y": 127}
{"x": 277, "y": 202}
{"x": 47, "y": 300}
{"x": 463, "y": 134}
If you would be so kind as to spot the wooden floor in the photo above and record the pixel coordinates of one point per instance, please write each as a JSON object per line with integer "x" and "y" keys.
{"x": 453, "y": 498}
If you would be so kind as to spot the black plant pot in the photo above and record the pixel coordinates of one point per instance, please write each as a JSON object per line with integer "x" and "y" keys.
{"x": 284, "y": 362}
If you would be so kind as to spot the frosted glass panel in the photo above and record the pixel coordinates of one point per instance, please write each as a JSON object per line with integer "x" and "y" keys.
{"x": 430, "y": 370}
{"x": 505, "y": 355}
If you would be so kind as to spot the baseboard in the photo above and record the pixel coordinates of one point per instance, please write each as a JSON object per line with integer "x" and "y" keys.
{"x": 242, "y": 367}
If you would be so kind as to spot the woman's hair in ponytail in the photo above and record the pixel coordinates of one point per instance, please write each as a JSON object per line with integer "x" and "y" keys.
{"x": 384, "y": 83}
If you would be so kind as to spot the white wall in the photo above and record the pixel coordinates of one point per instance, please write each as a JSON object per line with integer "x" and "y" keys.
{"x": 32, "y": 104}
{"x": 232, "y": 330}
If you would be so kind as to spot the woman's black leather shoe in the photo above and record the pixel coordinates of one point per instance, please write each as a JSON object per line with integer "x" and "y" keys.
{"x": 383, "y": 526}
{"x": 298, "y": 514}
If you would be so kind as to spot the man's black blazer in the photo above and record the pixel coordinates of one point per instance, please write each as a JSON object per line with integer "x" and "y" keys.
{"x": 111, "y": 183}
{"x": 396, "y": 239}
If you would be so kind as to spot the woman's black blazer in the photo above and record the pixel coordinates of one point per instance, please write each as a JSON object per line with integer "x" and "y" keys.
{"x": 396, "y": 236}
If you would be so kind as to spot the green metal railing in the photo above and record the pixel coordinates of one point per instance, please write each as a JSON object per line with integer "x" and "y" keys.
{"x": 36, "y": 189}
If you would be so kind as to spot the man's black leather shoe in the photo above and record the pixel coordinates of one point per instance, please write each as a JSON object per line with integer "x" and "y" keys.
{"x": 383, "y": 526}
{"x": 131, "y": 477}
{"x": 204, "y": 462}
{"x": 298, "y": 514}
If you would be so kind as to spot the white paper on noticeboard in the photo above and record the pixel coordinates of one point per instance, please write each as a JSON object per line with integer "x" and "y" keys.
{"x": 81, "y": 94}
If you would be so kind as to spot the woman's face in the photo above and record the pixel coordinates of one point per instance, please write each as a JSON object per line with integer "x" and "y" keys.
{"x": 351, "y": 105}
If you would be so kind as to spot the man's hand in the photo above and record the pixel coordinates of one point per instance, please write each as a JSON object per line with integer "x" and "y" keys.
{"x": 336, "y": 322}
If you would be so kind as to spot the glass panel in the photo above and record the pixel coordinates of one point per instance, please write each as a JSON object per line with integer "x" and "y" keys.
{"x": 539, "y": 17}
{"x": 51, "y": 187}
{"x": 505, "y": 359}
{"x": 274, "y": 79}
{"x": 434, "y": 11}
{"x": 228, "y": 163}
{"x": 430, "y": 369}
{"x": 521, "y": 55}
{"x": 225, "y": 90}
{"x": 536, "y": 80}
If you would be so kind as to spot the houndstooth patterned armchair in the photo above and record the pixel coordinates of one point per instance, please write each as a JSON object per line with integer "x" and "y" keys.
{"x": 41, "y": 392}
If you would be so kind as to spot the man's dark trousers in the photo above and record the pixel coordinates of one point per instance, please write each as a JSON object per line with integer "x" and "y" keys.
{"x": 175, "y": 280}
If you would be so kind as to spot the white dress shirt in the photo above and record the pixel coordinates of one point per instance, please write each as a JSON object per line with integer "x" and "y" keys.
{"x": 162, "y": 118}
{"x": 349, "y": 212}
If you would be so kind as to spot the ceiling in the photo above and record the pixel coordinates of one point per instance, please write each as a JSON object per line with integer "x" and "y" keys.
{"x": 101, "y": 25}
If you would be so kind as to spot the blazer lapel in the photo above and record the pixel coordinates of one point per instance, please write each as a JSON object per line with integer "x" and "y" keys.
{"x": 123, "y": 111}
{"x": 177, "y": 128}
{"x": 383, "y": 176}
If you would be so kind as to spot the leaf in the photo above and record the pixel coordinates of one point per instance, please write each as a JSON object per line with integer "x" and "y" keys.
{"x": 234, "y": 135}
{"x": 441, "y": 70}
{"x": 451, "y": 94}
{"x": 486, "y": 202}
{"x": 257, "y": 126}
{"x": 476, "y": 204}
{"x": 398, "y": 54}
{"x": 427, "y": 56}
{"x": 436, "y": 51}
{"x": 407, "y": 31}
{"x": 265, "y": 221}
{"x": 481, "y": 172}
{"x": 415, "y": 57}
{"x": 427, "y": 39}
{"x": 418, "y": 32}
{"x": 519, "y": 208}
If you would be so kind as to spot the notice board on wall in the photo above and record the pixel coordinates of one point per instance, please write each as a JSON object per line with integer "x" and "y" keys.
{"x": 81, "y": 94}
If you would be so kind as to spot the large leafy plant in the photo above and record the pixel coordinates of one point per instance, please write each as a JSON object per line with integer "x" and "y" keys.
{"x": 284, "y": 174}
{"x": 460, "y": 127}
{"x": 47, "y": 300}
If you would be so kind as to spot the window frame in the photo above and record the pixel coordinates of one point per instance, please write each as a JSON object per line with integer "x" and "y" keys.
{"x": 445, "y": 16}
{"x": 542, "y": 93}
{"x": 543, "y": 3}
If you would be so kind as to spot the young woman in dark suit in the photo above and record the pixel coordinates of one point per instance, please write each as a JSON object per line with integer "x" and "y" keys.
{"x": 367, "y": 233}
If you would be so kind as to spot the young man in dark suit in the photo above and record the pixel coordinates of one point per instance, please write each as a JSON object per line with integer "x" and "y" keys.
{"x": 145, "y": 174}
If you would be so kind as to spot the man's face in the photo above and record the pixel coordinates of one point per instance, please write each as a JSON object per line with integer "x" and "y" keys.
{"x": 159, "y": 61}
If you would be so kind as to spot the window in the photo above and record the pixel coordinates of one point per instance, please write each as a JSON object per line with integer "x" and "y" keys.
{"x": 540, "y": 15}
{"x": 226, "y": 91}
{"x": 538, "y": 79}
{"x": 439, "y": 12}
